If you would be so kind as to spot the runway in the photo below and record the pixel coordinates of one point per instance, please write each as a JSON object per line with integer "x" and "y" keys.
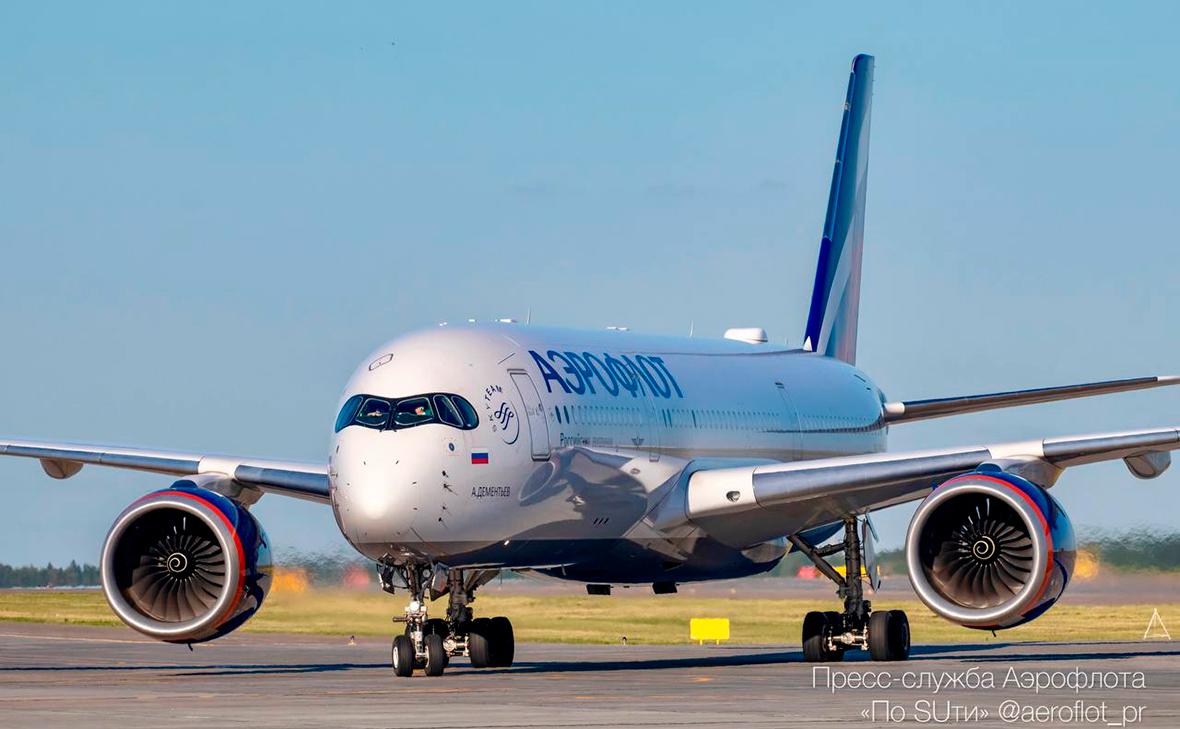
{"x": 53, "y": 676}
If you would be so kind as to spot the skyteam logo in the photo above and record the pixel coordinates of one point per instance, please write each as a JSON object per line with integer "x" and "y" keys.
{"x": 501, "y": 414}
{"x": 588, "y": 374}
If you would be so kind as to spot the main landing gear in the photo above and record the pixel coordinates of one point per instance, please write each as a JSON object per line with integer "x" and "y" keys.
{"x": 826, "y": 635}
{"x": 430, "y": 643}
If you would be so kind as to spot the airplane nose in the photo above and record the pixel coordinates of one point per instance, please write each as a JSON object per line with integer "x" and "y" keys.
{"x": 373, "y": 487}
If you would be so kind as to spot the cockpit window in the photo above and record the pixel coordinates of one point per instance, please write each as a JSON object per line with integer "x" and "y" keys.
{"x": 348, "y": 412}
{"x": 374, "y": 413}
{"x": 392, "y": 414}
{"x": 470, "y": 419}
{"x": 413, "y": 411}
{"x": 447, "y": 411}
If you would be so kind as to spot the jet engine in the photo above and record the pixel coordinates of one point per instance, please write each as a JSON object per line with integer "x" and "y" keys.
{"x": 185, "y": 564}
{"x": 990, "y": 550}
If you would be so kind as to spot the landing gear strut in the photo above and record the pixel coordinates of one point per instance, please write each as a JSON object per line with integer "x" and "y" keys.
{"x": 826, "y": 635}
{"x": 430, "y": 643}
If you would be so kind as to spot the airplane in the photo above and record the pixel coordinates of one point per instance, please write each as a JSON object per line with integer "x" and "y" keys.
{"x": 614, "y": 458}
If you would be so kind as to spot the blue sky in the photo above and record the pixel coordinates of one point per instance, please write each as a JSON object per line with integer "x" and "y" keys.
{"x": 212, "y": 212}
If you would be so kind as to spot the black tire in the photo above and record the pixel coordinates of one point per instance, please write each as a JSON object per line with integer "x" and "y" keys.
{"x": 436, "y": 655}
{"x": 402, "y": 656}
{"x": 835, "y": 621}
{"x": 900, "y": 642}
{"x": 889, "y": 636}
{"x": 503, "y": 642}
{"x": 479, "y": 643}
{"x": 817, "y": 628}
{"x": 879, "y": 635}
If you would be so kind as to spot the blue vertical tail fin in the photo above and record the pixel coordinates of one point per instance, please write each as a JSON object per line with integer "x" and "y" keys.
{"x": 835, "y": 300}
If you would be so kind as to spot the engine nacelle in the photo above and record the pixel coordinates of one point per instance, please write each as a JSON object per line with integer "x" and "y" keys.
{"x": 185, "y": 564}
{"x": 990, "y": 550}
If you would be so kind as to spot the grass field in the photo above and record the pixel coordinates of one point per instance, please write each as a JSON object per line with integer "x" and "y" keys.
{"x": 572, "y": 619}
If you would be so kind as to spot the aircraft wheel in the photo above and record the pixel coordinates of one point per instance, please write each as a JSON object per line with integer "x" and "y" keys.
{"x": 503, "y": 642}
{"x": 901, "y": 641}
{"x": 817, "y": 629}
{"x": 835, "y": 620}
{"x": 436, "y": 655}
{"x": 889, "y": 636}
{"x": 479, "y": 643}
{"x": 402, "y": 656}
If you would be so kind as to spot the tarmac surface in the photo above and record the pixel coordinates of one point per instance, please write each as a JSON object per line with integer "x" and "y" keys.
{"x": 61, "y": 675}
{"x": 1112, "y": 588}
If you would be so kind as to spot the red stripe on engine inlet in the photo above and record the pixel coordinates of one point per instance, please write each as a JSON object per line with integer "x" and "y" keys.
{"x": 233, "y": 604}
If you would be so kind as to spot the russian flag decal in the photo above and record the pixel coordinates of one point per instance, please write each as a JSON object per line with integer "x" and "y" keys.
{"x": 479, "y": 458}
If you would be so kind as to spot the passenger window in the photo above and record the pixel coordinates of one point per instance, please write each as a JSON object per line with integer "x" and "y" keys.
{"x": 348, "y": 412}
{"x": 374, "y": 413}
{"x": 447, "y": 412}
{"x": 411, "y": 412}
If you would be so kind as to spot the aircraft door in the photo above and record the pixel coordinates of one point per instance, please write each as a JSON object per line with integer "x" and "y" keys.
{"x": 534, "y": 413}
{"x": 790, "y": 420}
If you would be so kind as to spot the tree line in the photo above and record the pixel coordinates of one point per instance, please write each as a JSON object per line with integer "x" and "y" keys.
{"x": 1133, "y": 551}
{"x": 71, "y": 575}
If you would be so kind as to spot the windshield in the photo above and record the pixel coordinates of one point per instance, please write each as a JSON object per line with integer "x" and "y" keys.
{"x": 374, "y": 413}
{"x": 348, "y": 412}
{"x": 414, "y": 411}
{"x": 382, "y": 413}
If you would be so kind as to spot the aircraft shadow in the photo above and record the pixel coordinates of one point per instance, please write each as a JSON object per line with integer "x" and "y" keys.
{"x": 720, "y": 657}
{"x": 917, "y": 654}
{"x": 729, "y": 658}
{"x": 206, "y": 670}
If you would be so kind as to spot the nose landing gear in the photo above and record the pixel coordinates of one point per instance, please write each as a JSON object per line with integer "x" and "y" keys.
{"x": 429, "y": 643}
{"x": 827, "y": 635}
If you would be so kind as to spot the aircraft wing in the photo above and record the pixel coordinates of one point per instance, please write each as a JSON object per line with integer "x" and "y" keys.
{"x": 61, "y": 460}
{"x": 904, "y": 411}
{"x": 746, "y": 505}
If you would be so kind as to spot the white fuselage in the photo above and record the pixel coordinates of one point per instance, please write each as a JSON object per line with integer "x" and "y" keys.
{"x": 580, "y": 436}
